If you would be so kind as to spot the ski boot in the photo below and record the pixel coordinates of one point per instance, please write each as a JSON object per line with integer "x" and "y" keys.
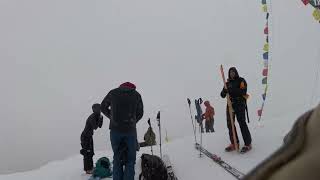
{"x": 231, "y": 147}
{"x": 245, "y": 149}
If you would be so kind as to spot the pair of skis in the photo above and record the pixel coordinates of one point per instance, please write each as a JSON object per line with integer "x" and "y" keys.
{"x": 167, "y": 162}
{"x": 198, "y": 119}
{"x": 165, "y": 158}
{"x": 233, "y": 171}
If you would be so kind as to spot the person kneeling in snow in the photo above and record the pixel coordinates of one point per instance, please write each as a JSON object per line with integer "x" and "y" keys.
{"x": 94, "y": 121}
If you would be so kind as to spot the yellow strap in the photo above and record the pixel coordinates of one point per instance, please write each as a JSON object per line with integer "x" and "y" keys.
{"x": 316, "y": 14}
{"x": 265, "y": 8}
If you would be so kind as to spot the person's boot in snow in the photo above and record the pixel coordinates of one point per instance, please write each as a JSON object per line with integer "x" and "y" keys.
{"x": 230, "y": 148}
{"x": 89, "y": 171}
{"x": 245, "y": 149}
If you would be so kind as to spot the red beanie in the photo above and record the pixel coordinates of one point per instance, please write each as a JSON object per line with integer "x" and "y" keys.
{"x": 128, "y": 85}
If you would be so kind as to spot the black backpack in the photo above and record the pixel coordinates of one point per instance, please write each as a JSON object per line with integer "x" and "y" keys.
{"x": 152, "y": 168}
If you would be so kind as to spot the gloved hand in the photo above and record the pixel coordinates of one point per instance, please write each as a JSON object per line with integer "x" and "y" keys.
{"x": 83, "y": 152}
{"x": 225, "y": 90}
{"x": 228, "y": 89}
{"x": 86, "y": 152}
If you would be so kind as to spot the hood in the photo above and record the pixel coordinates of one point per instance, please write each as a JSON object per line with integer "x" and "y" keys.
{"x": 207, "y": 103}
{"x": 234, "y": 70}
{"x": 96, "y": 108}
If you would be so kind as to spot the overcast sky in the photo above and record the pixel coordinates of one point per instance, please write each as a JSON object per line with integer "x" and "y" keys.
{"x": 59, "y": 57}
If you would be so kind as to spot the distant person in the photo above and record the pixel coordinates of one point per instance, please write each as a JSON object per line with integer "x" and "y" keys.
{"x": 208, "y": 116}
{"x": 149, "y": 138}
{"x": 237, "y": 90}
{"x": 94, "y": 121}
{"x": 124, "y": 107}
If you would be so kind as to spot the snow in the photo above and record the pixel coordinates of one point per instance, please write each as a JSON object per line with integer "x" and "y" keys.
{"x": 185, "y": 159}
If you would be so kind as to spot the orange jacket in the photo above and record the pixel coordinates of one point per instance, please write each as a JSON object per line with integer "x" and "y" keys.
{"x": 208, "y": 115}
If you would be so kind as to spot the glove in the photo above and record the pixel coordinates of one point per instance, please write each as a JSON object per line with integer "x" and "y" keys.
{"x": 86, "y": 152}
{"x": 83, "y": 152}
{"x": 225, "y": 90}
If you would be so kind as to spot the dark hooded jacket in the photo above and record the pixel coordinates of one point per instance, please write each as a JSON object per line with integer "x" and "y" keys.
{"x": 94, "y": 121}
{"x": 124, "y": 107}
{"x": 237, "y": 88}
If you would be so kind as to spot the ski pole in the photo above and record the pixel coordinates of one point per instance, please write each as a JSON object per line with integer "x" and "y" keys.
{"x": 200, "y": 124}
{"x": 193, "y": 127}
{"x": 159, "y": 124}
{"x": 150, "y": 135}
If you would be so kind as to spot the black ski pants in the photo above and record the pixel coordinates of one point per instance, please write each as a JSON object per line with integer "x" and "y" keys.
{"x": 240, "y": 114}
{"x": 87, "y": 151}
{"x": 209, "y": 125}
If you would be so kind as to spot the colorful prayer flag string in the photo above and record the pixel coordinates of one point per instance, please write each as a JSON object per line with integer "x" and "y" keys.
{"x": 316, "y": 5}
{"x": 265, "y": 57}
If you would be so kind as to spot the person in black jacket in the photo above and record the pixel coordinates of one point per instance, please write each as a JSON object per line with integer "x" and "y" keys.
{"x": 237, "y": 90}
{"x": 124, "y": 107}
{"x": 94, "y": 121}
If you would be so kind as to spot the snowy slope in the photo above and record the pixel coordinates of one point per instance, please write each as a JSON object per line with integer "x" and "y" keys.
{"x": 185, "y": 159}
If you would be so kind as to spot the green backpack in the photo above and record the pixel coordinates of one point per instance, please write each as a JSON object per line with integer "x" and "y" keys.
{"x": 103, "y": 168}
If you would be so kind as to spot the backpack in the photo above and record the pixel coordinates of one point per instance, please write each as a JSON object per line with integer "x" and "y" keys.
{"x": 103, "y": 168}
{"x": 150, "y": 137}
{"x": 152, "y": 168}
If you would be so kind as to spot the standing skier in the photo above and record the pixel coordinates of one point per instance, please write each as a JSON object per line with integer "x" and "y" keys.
{"x": 208, "y": 116}
{"x": 237, "y": 90}
{"x": 124, "y": 107}
{"x": 94, "y": 121}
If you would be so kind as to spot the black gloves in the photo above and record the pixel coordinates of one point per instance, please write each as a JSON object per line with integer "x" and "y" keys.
{"x": 86, "y": 152}
{"x": 225, "y": 90}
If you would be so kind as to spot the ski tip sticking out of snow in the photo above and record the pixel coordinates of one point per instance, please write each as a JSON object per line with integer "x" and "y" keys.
{"x": 171, "y": 174}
